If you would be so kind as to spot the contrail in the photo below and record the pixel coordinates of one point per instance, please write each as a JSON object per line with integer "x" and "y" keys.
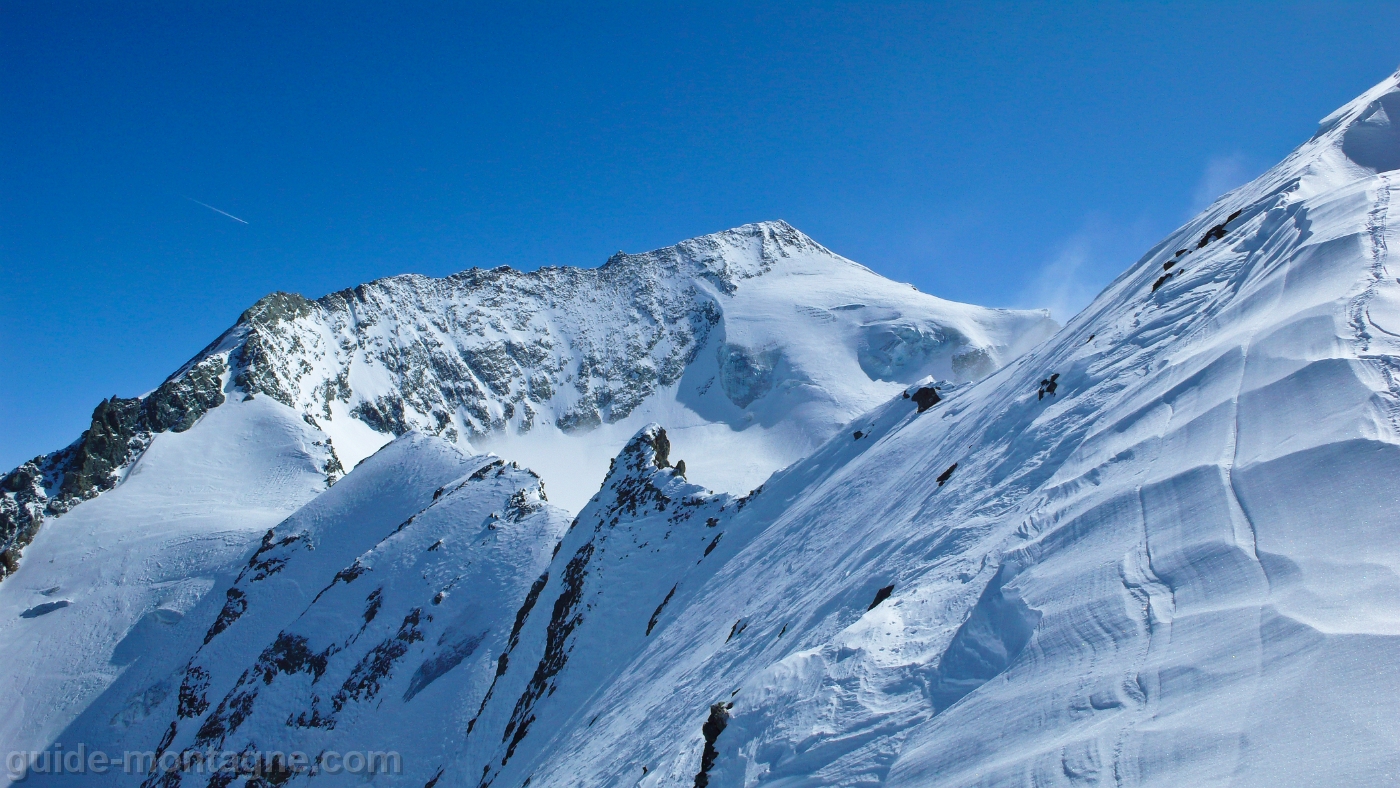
{"x": 215, "y": 210}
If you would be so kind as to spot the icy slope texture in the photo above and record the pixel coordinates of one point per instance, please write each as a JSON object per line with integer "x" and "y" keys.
{"x": 1179, "y": 568}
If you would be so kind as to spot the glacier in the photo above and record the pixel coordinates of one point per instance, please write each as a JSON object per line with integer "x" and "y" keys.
{"x": 1157, "y": 548}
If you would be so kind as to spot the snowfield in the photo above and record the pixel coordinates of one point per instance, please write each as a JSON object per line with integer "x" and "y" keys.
{"x": 1158, "y": 548}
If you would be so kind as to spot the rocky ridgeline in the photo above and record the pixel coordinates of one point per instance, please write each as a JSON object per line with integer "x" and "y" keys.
{"x": 121, "y": 429}
{"x": 466, "y": 355}
{"x": 491, "y": 351}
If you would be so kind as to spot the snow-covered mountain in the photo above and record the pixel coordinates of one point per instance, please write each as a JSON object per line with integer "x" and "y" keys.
{"x": 1158, "y": 549}
{"x": 755, "y": 345}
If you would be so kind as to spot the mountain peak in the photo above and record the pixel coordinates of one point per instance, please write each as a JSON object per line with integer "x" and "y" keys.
{"x": 762, "y": 337}
{"x": 730, "y": 256}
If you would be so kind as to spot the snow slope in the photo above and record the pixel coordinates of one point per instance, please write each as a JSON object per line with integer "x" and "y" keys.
{"x": 755, "y": 344}
{"x": 1180, "y": 568}
{"x": 1159, "y": 549}
{"x": 98, "y": 586}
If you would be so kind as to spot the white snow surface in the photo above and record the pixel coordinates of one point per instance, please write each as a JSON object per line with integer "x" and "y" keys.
{"x": 1159, "y": 549}
{"x": 753, "y": 345}
{"x": 138, "y": 558}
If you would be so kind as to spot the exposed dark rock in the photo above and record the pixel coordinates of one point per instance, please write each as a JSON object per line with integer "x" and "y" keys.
{"x": 662, "y": 446}
{"x": 1218, "y": 231}
{"x": 657, "y": 615}
{"x": 946, "y": 475}
{"x": 858, "y": 435}
{"x": 119, "y": 431}
{"x": 350, "y": 573}
{"x": 333, "y": 470}
{"x": 363, "y": 683}
{"x": 529, "y": 604}
{"x": 713, "y": 727}
{"x": 235, "y": 605}
{"x": 266, "y": 561}
{"x": 481, "y": 473}
{"x": 192, "y": 699}
{"x": 633, "y": 487}
{"x": 748, "y": 499}
{"x": 384, "y": 414}
{"x": 738, "y": 629}
{"x": 288, "y": 654}
{"x": 926, "y": 398}
{"x": 121, "y": 428}
{"x": 258, "y": 357}
{"x": 373, "y": 602}
{"x": 22, "y": 502}
{"x": 565, "y": 619}
{"x": 880, "y": 596}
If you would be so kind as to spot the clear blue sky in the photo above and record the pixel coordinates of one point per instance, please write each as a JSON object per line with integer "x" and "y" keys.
{"x": 999, "y": 154}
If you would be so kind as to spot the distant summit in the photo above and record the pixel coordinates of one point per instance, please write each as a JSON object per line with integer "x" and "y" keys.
{"x": 754, "y": 333}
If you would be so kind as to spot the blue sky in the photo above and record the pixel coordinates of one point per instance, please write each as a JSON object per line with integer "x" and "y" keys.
{"x": 1003, "y": 154}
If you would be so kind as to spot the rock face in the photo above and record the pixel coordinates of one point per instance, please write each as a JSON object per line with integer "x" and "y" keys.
{"x": 383, "y": 612}
{"x": 490, "y": 356}
{"x": 121, "y": 429}
{"x": 481, "y": 352}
